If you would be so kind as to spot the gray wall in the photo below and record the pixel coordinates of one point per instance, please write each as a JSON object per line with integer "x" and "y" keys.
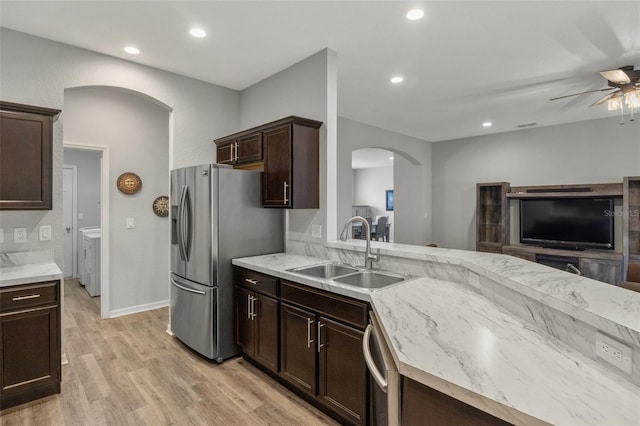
{"x": 88, "y": 183}
{"x": 305, "y": 90}
{"x": 411, "y": 177}
{"x": 136, "y": 130}
{"x": 37, "y": 71}
{"x": 595, "y": 151}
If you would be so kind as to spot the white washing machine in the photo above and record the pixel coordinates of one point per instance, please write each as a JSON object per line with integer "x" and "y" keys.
{"x": 91, "y": 257}
{"x": 80, "y": 253}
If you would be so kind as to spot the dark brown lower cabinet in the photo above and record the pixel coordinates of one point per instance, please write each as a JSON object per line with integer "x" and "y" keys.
{"x": 298, "y": 348}
{"x": 342, "y": 372}
{"x": 422, "y": 405}
{"x": 29, "y": 342}
{"x": 321, "y": 336}
{"x": 257, "y": 326}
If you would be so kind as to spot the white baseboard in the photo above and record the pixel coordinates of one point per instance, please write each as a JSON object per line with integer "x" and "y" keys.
{"x": 139, "y": 308}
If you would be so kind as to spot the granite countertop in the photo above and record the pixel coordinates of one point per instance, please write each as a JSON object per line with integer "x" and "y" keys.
{"x": 480, "y": 353}
{"x": 27, "y": 267}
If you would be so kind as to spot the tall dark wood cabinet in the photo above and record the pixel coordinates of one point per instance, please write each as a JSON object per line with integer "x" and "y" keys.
{"x": 287, "y": 151}
{"x": 631, "y": 221}
{"x": 26, "y": 143}
{"x": 492, "y": 217}
{"x": 29, "y": 342}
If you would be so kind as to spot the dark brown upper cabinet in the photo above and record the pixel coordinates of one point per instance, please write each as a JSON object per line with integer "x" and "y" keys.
{"x": 288, "y": 152}
{"x": 26, "y": 143}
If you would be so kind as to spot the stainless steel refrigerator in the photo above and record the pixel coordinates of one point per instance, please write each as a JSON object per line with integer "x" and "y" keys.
{"x": 216, "y": 215}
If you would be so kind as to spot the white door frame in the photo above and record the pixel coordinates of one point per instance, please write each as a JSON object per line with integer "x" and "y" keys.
{"x": 105, "y": 305}
{"x": 74, "y": 220}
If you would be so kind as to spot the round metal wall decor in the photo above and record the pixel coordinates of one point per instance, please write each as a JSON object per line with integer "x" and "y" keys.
{"x": 161, "y": 206}
{"x": 129, "y": 183}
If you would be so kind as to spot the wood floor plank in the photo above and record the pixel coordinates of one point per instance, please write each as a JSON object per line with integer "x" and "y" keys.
{"x": 129, "y": 371}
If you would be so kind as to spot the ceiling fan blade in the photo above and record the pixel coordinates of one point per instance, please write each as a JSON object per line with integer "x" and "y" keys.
{"x": 616, "y": 76}
{"x": 583, "y": 93}
{"x": 605, "y": 98}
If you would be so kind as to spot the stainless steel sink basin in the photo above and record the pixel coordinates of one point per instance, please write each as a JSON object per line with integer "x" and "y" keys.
{"x": 370, "y": 279}
{"x": 326, "y": 270}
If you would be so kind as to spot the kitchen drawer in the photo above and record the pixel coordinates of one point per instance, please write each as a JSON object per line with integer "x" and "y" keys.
{"x": 342, "y": 308}
{"x": 256, "y": 281}
{"x": 27, "y": 296}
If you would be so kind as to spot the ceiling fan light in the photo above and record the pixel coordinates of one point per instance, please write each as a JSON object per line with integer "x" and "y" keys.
{"x": 614, "y": 104}
{"x": 632, "y": 99}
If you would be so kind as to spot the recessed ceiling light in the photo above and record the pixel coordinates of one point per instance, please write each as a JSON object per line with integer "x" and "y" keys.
{"x": 132, "y": 50}
{"x": 197, "y": 32}
{"x": 415, "y": 14}
{"x": 397, "y": 79}
{"x": 487, "y": 124}
{"x": 390, "y": 158}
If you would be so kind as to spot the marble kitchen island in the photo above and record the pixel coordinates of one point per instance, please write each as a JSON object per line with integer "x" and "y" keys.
{"x": 507, "y": 336}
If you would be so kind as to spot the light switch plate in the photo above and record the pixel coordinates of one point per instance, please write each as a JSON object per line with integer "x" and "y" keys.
{"x": 131, "y": 223}
{"x": 20, "y": 235}
{"x": 45, "y": 233}
{"x": 316, "y": 231}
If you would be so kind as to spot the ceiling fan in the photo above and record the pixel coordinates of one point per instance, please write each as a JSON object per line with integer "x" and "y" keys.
{"x": 626, "y": 82}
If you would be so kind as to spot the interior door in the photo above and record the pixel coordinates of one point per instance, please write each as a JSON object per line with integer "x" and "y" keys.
{"x": 68, "y": 215}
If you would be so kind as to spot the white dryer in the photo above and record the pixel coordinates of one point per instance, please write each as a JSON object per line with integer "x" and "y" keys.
{"x": 91, "y": 257}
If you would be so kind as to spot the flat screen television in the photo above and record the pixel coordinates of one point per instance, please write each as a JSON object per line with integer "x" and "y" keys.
{"x": 571, "y": 223}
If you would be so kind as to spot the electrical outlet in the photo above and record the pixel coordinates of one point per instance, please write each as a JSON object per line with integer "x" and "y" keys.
{"x": 316, "y": 231}
{"x": 614, "y": 352}
{"x": 20, "y": 235}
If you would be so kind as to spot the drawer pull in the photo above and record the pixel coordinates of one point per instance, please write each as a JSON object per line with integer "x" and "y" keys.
{"x": 30, "y": 296}
{"x": 250, "y": 281}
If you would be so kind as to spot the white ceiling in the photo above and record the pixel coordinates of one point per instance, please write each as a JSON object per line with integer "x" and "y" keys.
{"x": 464, "y": 63}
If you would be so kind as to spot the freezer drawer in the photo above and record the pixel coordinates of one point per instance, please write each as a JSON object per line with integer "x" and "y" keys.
{"x": 192, "y": 313}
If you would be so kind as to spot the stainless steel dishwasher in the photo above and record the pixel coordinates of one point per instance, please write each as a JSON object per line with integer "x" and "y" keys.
{"x": 384, "y": 407}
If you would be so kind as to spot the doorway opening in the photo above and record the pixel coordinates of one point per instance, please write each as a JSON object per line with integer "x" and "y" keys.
{"x": 372, "y": 198}
{"x": 86, "y": 219}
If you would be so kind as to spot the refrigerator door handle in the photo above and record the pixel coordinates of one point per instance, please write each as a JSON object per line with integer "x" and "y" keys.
{"x": 379, "y": 378}
{"x": 186, "y": 288}
{"x": 187, "y": 223}
{"x": 180, "y": 224}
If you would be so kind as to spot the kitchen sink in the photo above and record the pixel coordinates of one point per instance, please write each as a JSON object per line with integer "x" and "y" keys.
{"x": 370, "y": 279}
{"x": 326, "y": 270}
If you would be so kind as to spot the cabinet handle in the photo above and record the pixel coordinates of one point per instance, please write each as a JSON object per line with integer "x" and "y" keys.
{"x": 320, "y": 345}
{"x": 236, "y": 145}
{"x": 31, "y": 296}
{"x": 253, "y": 307}
{"x": 250, "y": 281}
{"x": 309, "y": 340}
{"x": 248, "y": 306}
{"x": 284, "y": 190}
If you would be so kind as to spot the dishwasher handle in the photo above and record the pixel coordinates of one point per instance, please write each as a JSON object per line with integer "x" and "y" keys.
{"x": 366, "y": 350}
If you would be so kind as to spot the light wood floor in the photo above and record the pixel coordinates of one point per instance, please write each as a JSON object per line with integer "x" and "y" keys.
{"x": 129, "y": 371}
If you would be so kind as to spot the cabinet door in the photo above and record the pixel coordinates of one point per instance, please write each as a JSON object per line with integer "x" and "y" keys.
{"x": 249, "y": 148}
{"x": 298, "y": 348}
{"x": 25, "y": 161}
{"x": 29, "y": 355}
{"x": 608, "y": 271}
{"x": 342, "y": 370}
{"x": 244, "y": 321}
{"x": 266, "y": 332}
{"x": 225, "y": 153}
{"x": 277, "y": 167}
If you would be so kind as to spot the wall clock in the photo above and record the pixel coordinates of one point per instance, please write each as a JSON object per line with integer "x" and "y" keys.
{"x": 129, "y": 183}
{"x": 161, "y": 206}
